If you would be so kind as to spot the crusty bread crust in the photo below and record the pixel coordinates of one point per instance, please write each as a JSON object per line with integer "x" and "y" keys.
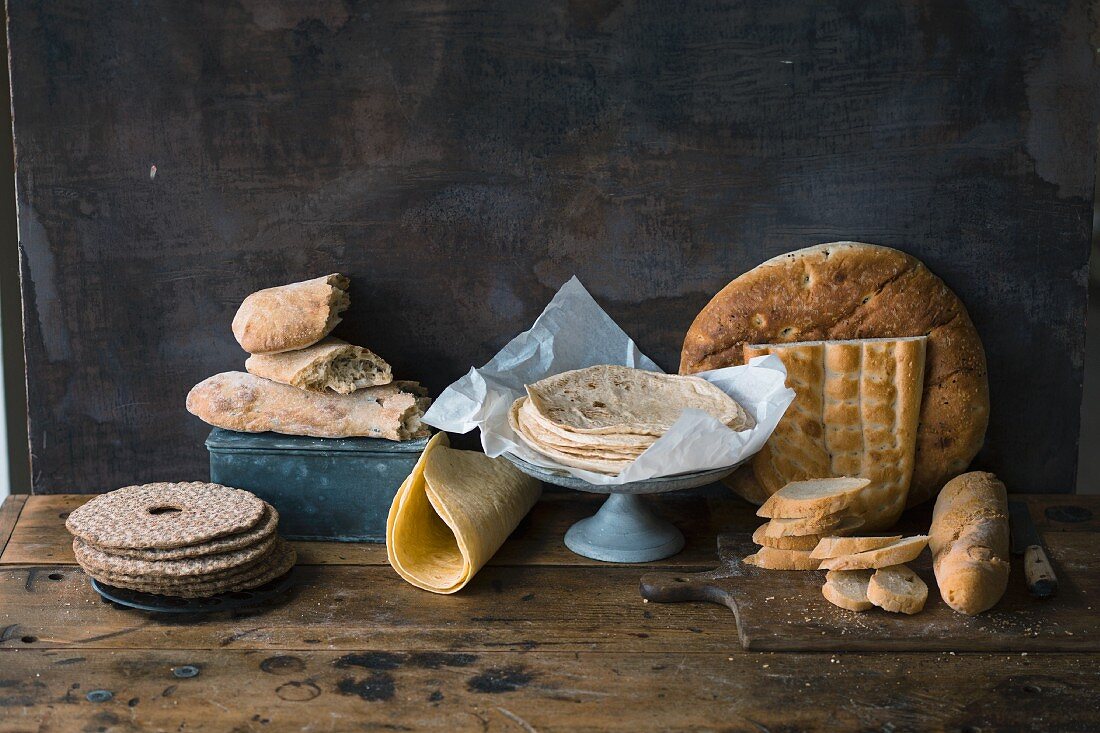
{"x": 969, "y": 541}
{"x": 328, "y": 365}
{"x": 292, "y": 316}
{"x": 250, "y": 404}
{"x": 846, "y": 290}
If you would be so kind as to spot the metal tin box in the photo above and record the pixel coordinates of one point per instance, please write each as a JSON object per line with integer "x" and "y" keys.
{"x": 324, "y": 488}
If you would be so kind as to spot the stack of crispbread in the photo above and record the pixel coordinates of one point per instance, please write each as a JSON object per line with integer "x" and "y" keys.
{"x": 301, "y": 380}
{"x": 603, "y": 417}
{"x": 809, "y": 528}
{"x": 190, "y": 540}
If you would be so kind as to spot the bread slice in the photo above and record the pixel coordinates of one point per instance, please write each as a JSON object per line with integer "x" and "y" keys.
{"x": 840, "y": 546}
{"x": 770, "y": 558}
{"x": 814, "y": 497}
{"x": 330, "y": 365}
{"x": 897, "y": 553}
{"x": 829, "y": 524}
{"x": 898, "y": 589}
{"x": 848, "y": 589}
{"x": 804, "y": 542}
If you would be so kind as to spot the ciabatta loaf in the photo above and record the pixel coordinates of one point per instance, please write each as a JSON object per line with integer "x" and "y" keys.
{"x": 330, "y": 365}
{"x": 969, "y": 540}
{"x": 855, "y": 413}
{"x": 291, "y": 316}
{"x": 251, "y": 404}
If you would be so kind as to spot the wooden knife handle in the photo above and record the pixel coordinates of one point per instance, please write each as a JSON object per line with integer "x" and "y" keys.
{"x": 1041, "y": 581}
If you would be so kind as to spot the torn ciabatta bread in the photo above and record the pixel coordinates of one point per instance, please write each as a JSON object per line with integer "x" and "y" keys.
{"x": 331, "y": 364}
{"x": 251, "y": 404}
{"x": 291, "y": 316}
{"x": 969, "y": 541}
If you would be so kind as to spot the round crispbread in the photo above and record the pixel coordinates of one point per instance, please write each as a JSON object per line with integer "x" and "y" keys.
{"x": 230, "y": 574}
{"x": 277, "y": 564}
{"x": 165, "y": 515}
{"x": 262, "y": 531}
{"x": 104, "y": 562}
{"x": 849, "y": 290}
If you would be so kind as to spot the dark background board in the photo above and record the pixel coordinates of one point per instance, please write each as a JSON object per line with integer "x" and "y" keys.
{"x": 462, "y": 160}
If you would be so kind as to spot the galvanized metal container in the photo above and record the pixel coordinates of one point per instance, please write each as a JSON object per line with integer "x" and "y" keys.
{"x": 324, "y": 488}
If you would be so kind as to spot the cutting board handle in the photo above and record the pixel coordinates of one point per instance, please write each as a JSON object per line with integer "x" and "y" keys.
{"x": 680, "y": 587}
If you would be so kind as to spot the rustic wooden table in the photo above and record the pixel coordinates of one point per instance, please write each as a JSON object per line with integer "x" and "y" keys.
{"x": 541, "y": 640}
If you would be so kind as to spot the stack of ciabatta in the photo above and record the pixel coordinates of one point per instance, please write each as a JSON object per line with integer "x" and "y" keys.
{"x": 810, "y": 527}
{"x": 300, "y": 380}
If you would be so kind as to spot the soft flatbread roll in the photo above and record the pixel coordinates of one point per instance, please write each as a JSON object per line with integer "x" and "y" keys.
{"x": 453, "y": 513}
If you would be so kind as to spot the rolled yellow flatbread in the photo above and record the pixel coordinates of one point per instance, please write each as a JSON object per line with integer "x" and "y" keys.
{"x": 452, "y": 513}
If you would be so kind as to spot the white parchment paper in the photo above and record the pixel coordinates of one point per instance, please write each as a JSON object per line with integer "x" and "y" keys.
{"x": 574, "y": 332}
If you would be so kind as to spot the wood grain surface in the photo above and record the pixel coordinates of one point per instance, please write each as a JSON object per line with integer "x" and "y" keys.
{"x": 461, "y": 160}
{"x": 544, "y": 642}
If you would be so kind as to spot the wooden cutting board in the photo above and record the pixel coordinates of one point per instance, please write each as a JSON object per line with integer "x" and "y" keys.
{"x": 785, "y": 611}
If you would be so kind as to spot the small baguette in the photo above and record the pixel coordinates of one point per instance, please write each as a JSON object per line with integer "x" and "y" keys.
{"x": 840, "y": 546}
{"x": 792, "y": 542}
{"x": 831, "y": 524}
{"x": 291, "y": 316}
{"x": 770, "y": 558}
{"x": 848, "y": 589}
{"x": 330, "y": 365}
{"x": 813, "y": 498}
{"x": 250, "y": 404}
{"x": 969, "y": 541}
{"x": 897, "y": 589}
{"x": 899, "y": 552}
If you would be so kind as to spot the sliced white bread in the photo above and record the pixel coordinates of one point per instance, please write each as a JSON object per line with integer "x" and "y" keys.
{"x": 838, "y": 524}
{"x": 898, "y": 589}
{"x": 770, "y": 558}
{"x": 897, "y": 553}
{"x": 814, "y": 497}
{"x": 840, "y": 546}
{"x": 804, "y": 542}
{"x": 848, "y": 589}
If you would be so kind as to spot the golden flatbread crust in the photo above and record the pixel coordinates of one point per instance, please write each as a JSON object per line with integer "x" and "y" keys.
{"x": 850, "y": 290}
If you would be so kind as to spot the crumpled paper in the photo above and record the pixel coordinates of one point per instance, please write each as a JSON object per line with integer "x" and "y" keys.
{"x": 574, "y": 332}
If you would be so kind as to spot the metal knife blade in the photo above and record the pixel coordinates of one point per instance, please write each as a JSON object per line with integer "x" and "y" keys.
{"x": 1041, "y": 581}
{"x": 1022, "y": 529}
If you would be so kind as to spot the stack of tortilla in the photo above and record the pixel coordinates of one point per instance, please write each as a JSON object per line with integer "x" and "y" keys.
{"x": 602, "y": 418}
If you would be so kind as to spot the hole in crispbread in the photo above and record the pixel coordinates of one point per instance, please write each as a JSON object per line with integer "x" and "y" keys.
{"x": 158, "y": 510}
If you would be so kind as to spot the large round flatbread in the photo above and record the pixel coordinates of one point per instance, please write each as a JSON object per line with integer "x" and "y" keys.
{"x": 618, "y": 400}
{"x": 849, "y": 290}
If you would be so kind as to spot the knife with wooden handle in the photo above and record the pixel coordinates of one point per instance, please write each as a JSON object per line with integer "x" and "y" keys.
{"x": 1041, "y": 581}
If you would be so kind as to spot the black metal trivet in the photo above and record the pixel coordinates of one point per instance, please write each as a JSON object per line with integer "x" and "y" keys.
{"x": 211, "y": 604}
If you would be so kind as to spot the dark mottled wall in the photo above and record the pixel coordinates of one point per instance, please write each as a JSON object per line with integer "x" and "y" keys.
{"x": 461, "y": 160}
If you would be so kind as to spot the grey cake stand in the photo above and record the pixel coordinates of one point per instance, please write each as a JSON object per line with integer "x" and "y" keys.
{"x": 625, "y": 529}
